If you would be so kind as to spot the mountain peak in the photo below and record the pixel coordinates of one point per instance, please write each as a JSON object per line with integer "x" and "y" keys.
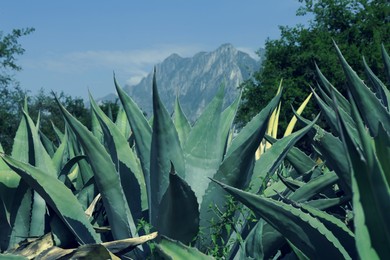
{"x": 226, "y": 46}
{"x": 174, "y": 56}
{"x": 196, "y": 79}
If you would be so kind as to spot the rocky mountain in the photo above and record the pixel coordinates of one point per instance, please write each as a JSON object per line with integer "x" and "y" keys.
{"x": 196, "y": 79}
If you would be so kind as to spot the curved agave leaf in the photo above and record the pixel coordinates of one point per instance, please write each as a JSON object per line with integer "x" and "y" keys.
{"x": 341, "y": 100}
{"x": 203, "y": 150}
{"x": 330, "y": 147}
{"x": 386, "y": 61}
{"x": 58, "y": 197}
{"x": 307, "y": 233}
{"x": 336, "y": 226}
{"x": 178, "y": 211}
{"x": 106, "y": 177}
{"x": 12, "y": 257}
{"x": 253, "y": 245}
{"x": 126, "y": 163}
{"x": 123, "y": 246}
{"x": 381, "y": 90}
{"x": 9, "y": 182}
{"x": 226, "y": 121}
{"x": 47, "y": 144}
{"x": 165, "y": 148}
{"x": 170, "y": 249}
{"x": 29, "y": 209}
{"x": 382, "y": 148}
{"x": 141, "y": 131}
{"x": 270, "y": 160}
{"x": 314, "y": 186}
{"x": 61, "y": 154}
{"x": 324, "y": 204}
{"x": 96, "y": 128}
{"x": 31, "y": 249}
{"x": 293, "y": 121}
{"x": 95, "y": 251}
{"x": 367, "y": 177}
{"x": 122, "y": 123}
{"x": 180, "y": 120}
{"x": 371, "y": 109}
{"x": 298, "y": 159}
{"x": 236, "y": 168}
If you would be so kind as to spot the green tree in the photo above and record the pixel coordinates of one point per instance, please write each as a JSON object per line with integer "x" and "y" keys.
{"x": 358, "y": 27}
{"x": 44, "y": 105}
{"x": 11, "y": 95}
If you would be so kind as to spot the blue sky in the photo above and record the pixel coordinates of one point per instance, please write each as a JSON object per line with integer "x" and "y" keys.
{"x": 78, "y": 44}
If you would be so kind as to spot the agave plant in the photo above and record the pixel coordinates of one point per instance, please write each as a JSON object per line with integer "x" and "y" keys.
{"x": 357, "y": 153}
{"x": 96, "y": 191}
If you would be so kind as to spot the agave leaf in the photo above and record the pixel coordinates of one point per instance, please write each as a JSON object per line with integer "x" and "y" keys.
{"x": 226, "y": 121}
{"x": 29, "y": 209}
{"x": 328, "y": 112}
{"x": 297, "y": 252}
{"x": 236, "y": 168}
{"x": 341, "y": 100}
{"x": 9, "y": 182}
{"x": 58, "y": 133}
{"x": 371, "y": 210}
{"x": 95, "y": 251}
{"x": 116, "y": 206}
{"x": 182, "y": 125}
{"x": 61, "y": 154}
{"x": 122, "y": 123}
{"x": 170, "y": 249}
{"x": 84, "y": 171}
{"x": 125, "y": 245}
{"x": 293, "y": 121}
{"x": 253, "y": 245}
{"x": 314, "y": 186}
{"x": 336, "y": 226}
{"x": 298, "y": 159}
{"x": 386, "y": 61}
{"x": 381, "y": 90}
{"x": 12, "y": 257}
{"x": 382, "y": 147}
{"x": 96, "y": 128}
{"x": 33, "y": 248}
{"x": 126, "y": 163}
{"x": 165, "y": 148}
{"x": 140, "y": 129}
{"x": 330, "y": 115}
{"x": 378, "y": 188}
{"x": 63, "y": 175}
{"x": 273, "y": 120}
{"x": 307, "y": 233}
{"x": 292, "y": 184}
{"x": 204, "y": 148}
{"x": 371, "y": 109}
{"x": 324, "y": 204}
{"x": 58, "y": 197}
{"x": 271, "y": 159}
{"x": 178, "y": 211}
{"x": 47, "y": 144}
{"x": 330, "y": 147}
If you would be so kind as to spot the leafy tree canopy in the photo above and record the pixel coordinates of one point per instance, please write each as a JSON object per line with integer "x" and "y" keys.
{"x": 358, "y": 27}
{"x": 9, "y": 49}
{"x": 12, "y": 95}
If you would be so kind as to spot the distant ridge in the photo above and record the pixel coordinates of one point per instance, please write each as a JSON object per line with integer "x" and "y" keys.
{"x": 195, "y": 80}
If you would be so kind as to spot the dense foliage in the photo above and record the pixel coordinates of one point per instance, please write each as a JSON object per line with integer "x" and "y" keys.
{"x": 359, "y": 27}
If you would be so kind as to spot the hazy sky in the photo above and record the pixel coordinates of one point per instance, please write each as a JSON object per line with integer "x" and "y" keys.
{"x": 78, "y": 44}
